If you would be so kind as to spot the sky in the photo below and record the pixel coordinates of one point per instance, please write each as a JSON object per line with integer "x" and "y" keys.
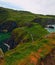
{"x": 46, "y": 7}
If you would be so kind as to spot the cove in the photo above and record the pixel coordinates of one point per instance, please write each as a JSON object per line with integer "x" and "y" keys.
{"x": 51, "y": 29}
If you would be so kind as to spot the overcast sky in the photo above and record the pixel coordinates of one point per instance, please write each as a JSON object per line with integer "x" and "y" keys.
{"x": 35, "y": 6}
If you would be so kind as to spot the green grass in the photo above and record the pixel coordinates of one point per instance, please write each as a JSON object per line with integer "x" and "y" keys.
{"x": 24, "y": 35}
{"x": 4, "y": 36}
{"x": 23, "y": 50}
{"x": 21, "y": 17}
{"x": 29, "y": 34}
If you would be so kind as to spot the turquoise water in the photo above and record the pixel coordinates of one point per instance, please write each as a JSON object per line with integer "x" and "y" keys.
{"x": 50, "y": 29}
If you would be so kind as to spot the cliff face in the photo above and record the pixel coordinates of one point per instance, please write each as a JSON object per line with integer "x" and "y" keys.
{"x": 44, "y": 21}
{"x": 8, "y": 26}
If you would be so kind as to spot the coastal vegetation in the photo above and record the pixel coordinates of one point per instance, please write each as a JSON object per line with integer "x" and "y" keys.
{"x": 24, "y": 32}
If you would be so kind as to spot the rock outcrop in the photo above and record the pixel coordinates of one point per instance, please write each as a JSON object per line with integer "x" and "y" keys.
{"x": 8, "y": 26}
{"x": 44, "y": 21}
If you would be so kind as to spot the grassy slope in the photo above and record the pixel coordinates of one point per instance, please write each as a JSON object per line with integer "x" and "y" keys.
{"x": 20, "y": 17}
{"x": 29, "y": 34}
{"x": 24, "y": 50}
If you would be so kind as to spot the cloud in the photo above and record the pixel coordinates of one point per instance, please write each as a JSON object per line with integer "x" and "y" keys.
{"x": 35, "y": 6}
{"x": 9, "y": 5}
